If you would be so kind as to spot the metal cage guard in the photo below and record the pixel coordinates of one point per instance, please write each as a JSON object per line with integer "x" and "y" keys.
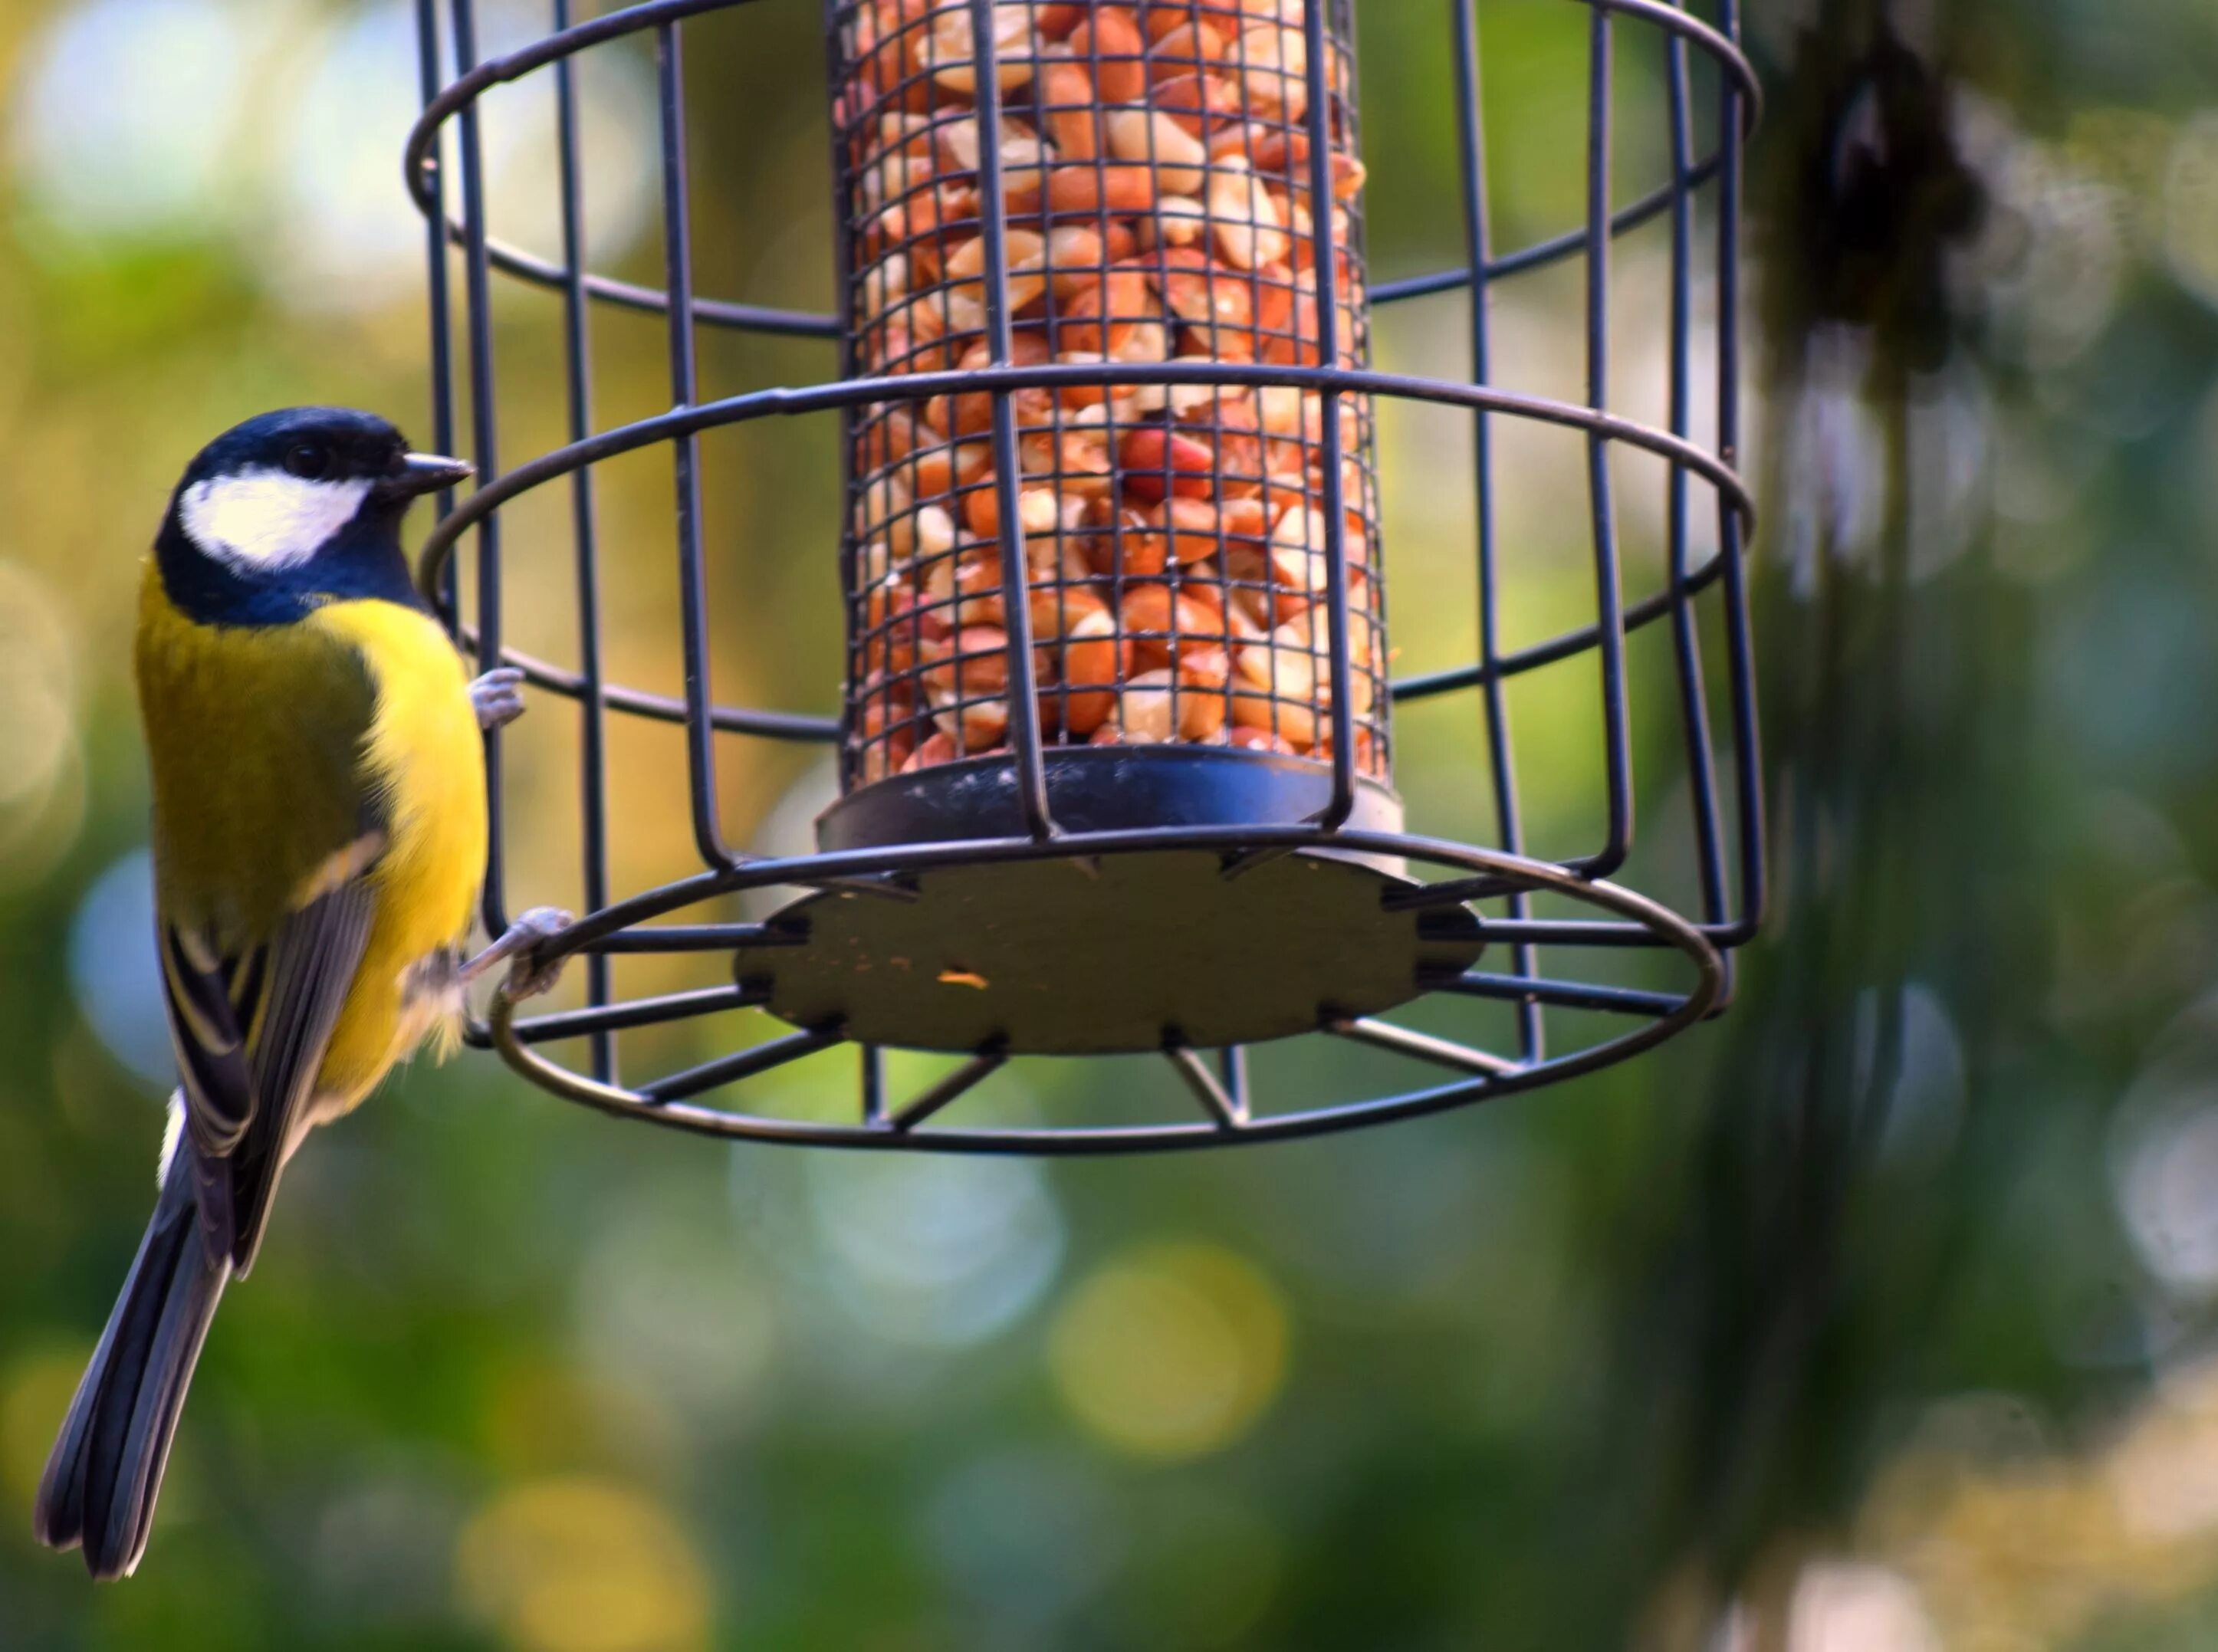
{"x": 1402, "y": 938}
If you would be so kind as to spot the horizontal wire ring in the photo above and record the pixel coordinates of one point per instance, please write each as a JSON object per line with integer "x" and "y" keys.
{"x": 916, "y": 387}
{"x": 421, "y": 168}
{"x": 812, "y": 729}
{"x": 438, "y": 546}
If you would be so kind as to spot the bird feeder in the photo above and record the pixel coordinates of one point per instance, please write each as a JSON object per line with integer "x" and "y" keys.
{"x": 1115, "y": 752}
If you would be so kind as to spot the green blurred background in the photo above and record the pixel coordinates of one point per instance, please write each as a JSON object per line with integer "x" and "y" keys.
{"x": 1876, "y": 1315}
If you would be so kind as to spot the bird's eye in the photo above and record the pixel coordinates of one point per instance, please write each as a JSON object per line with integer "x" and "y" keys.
{"x": 310, "y": 461}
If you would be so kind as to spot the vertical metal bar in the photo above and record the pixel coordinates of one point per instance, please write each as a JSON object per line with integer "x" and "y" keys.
{"x": 1686, "y": 637}
{"x": 1609, "y": 594}
{"x": 593, "y": 707}
{"x": 838, "y": 74}
{"x": 1059, "y": 652}
{"x": 692, "y": 577}
{"x": 1232, "y": 1068}
{"x": 1471, "y": 144}
{"x": 440, "y": 301}
{"x": 1325, "y": 267}
{"x": 1361, "y": 350}
{"x": 484, "y": 448}
{"x": 873, "y": 1085}
{"x": 1024, "y": 740}
{"x": 1740, "y": 649}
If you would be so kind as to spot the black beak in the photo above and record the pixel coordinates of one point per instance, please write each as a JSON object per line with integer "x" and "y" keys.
{"x": 425, "y": 472}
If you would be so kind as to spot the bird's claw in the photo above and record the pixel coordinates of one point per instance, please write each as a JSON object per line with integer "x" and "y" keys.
{"x": 529, "y": 971}
{"x": 499, "y": 697}
{"x": 522, "y": 946}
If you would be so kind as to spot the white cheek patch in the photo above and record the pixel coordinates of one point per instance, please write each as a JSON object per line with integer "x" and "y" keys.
{"x": 268, "y": 519}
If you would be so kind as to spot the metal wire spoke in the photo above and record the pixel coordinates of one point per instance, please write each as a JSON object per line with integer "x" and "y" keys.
{"x": 746, "y": 1064}
{"x": 1441, "y": 1052}
{"x": 635, "y": 1013}
{"x": 1564, "y": 994}
{"x": 1229, "y": 1112}
{"x": 949, "y": 1090}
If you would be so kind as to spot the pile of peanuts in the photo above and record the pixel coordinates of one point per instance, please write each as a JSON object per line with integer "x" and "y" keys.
{"x": 1156, "y": 170}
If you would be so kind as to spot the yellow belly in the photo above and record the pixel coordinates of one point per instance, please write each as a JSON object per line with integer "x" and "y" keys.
{"x": 425, "y": 751}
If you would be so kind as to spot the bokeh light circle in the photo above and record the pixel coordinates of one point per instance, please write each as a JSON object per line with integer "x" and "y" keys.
{"x": 581, "y": 1564}
{"x": 1171, "y": 1352}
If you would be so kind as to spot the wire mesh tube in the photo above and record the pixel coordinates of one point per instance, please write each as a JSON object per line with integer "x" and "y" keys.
{"x": 1164, "y": 207}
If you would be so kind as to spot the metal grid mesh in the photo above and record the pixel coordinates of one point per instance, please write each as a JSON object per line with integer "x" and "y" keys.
{"x": 1496, "y": 881}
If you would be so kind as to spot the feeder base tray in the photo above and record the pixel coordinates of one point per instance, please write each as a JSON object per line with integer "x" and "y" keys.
{"x": 1113, "y": 954}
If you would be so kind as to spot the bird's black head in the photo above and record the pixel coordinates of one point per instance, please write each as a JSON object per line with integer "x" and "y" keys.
{"x": 293, "y": 509}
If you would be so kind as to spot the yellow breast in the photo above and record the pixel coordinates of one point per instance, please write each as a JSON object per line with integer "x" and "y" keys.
{"x": 425, "y": 755}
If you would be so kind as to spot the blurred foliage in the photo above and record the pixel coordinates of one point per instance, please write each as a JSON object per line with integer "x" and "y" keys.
{"x": 1876, "y": 1315}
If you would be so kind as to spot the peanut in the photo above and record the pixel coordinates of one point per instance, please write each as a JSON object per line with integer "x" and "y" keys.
{"x": 1111, "y": 45}
{"x": 1153, "y": 136}
{"x": 1273, "y": 64}
{"x": 1204, "y": 294}
{"x": 1119, "y": 188}
{"x": 1038, "y": 512}
{"x": 1088, "y": 656}
{"x": 1189, "y": 49}
{"x": 1166, "y": 627}
{"x": 950, "y": 49}
{"x": 1157, "y": 461}
{"x": 1181, "y": 221}
{"x": 1250, "y": 231}
{"x": 1200, "y": 102}
{"x": 1102, "y": 314}
{"x": 1158, "y": 705}
{"x": 1066, "y": 102}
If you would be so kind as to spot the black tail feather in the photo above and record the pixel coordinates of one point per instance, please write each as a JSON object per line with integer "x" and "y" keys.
{"x": 106, "y": 1470}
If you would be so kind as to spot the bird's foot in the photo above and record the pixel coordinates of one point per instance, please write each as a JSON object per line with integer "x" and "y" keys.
{"x": 499, "y": 697}
{"x": 523, "y": 946}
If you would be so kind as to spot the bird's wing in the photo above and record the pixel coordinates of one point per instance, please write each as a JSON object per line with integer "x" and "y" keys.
{"x": 251, "y": 1029}
{"x": 267, "y": 827}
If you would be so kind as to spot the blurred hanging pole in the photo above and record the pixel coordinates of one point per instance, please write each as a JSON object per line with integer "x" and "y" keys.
{"x": 1798, "y": 1269}
{"x": 1867, "y": 197}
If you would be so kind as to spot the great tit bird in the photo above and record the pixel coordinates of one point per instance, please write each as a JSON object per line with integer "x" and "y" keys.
{"x": 319, "y": 839}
